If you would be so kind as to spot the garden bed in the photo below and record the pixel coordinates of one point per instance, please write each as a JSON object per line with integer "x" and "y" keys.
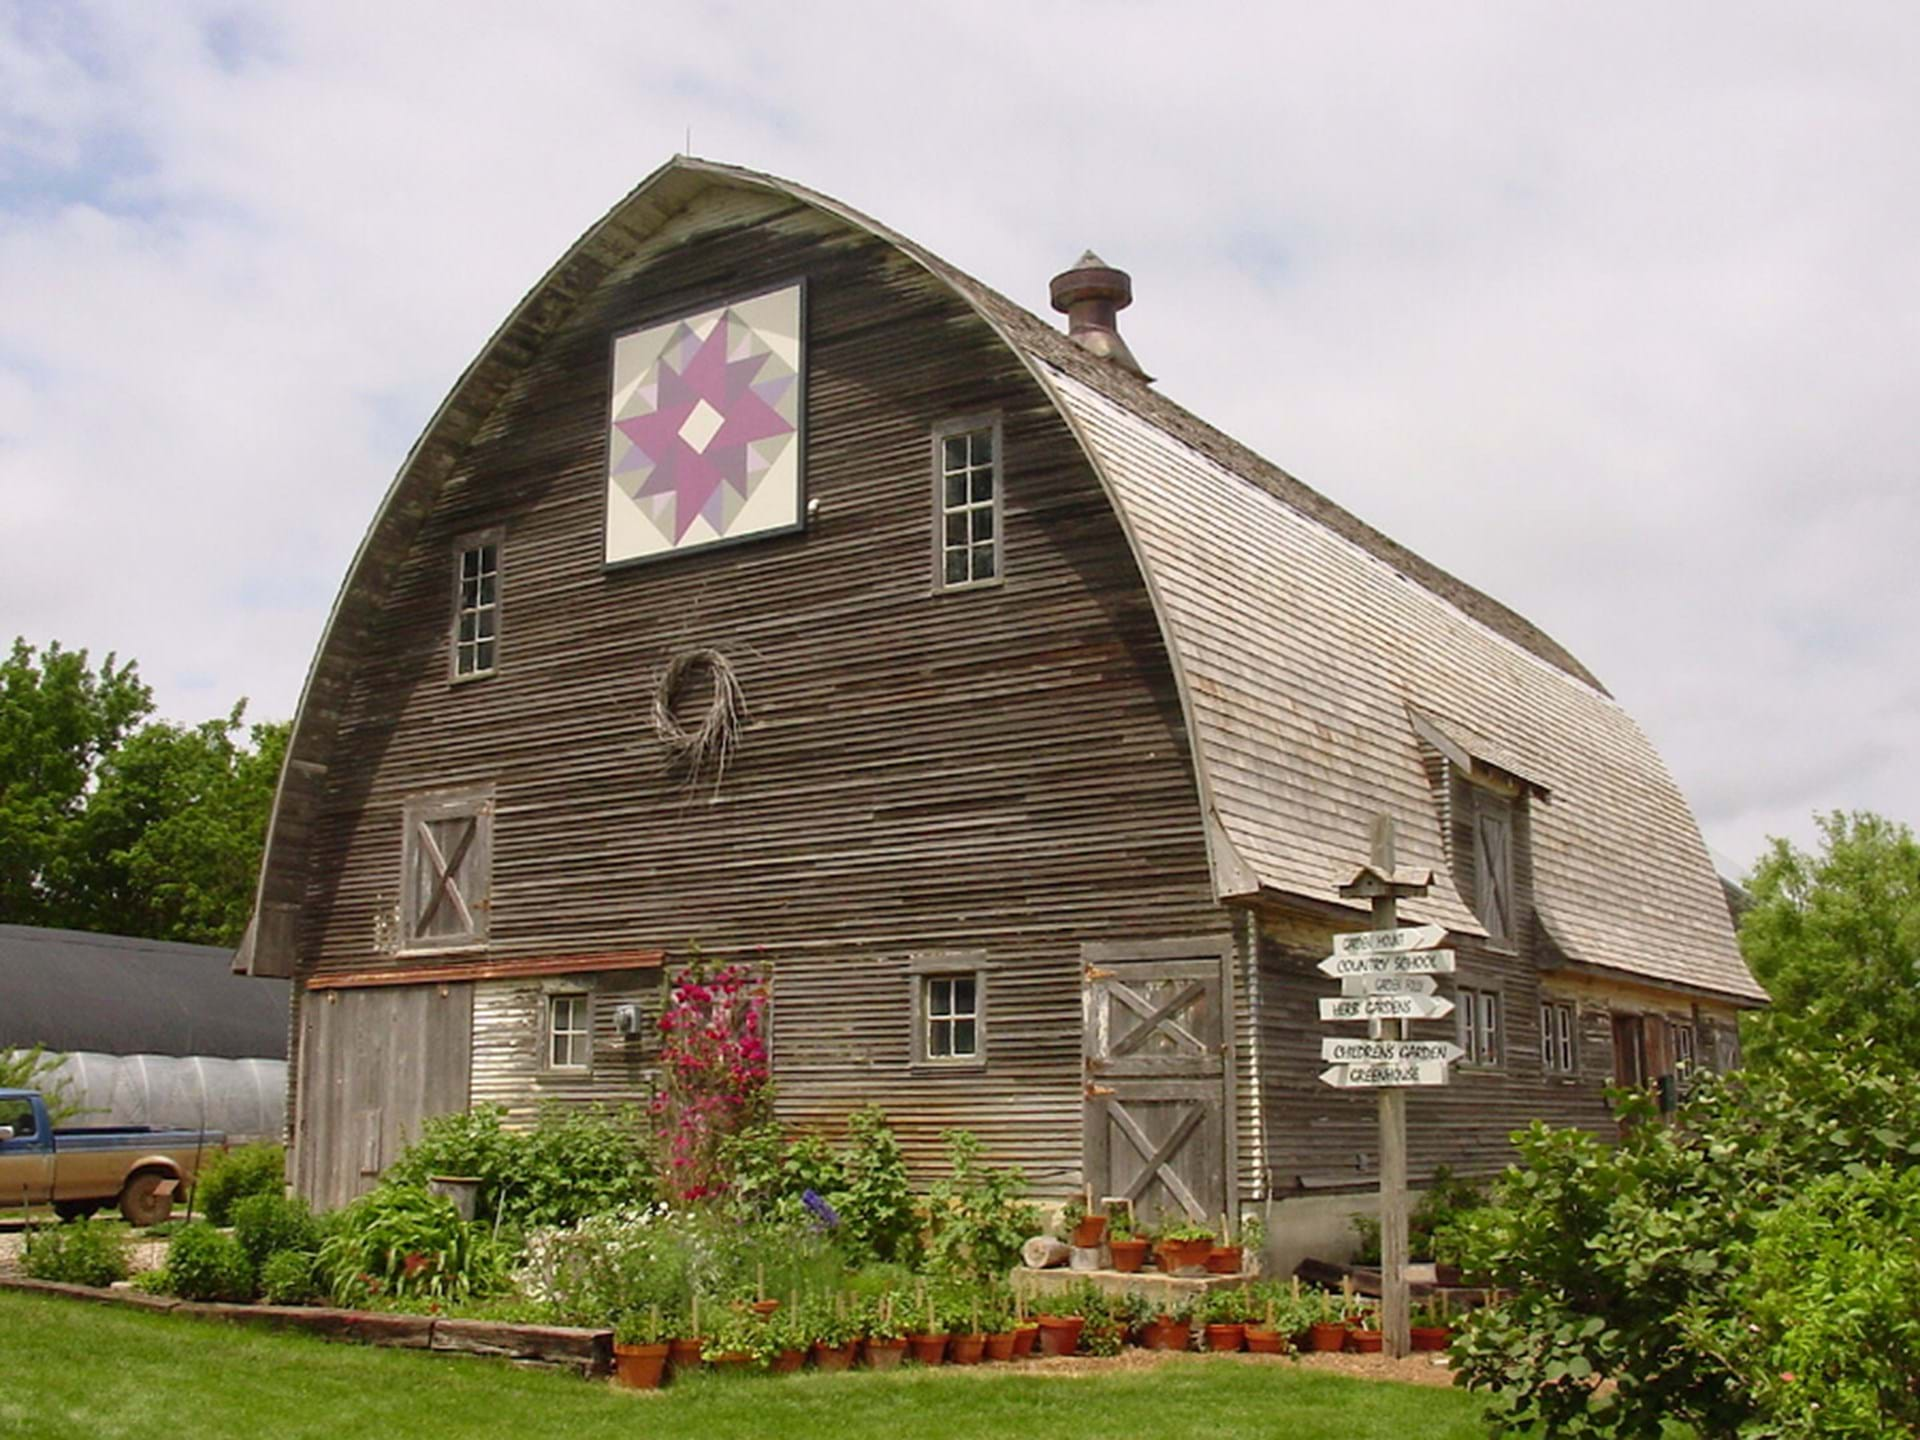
{"x": 585, "y": 1352}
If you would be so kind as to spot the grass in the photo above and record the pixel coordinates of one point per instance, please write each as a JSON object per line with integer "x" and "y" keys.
{"x": 84, "y": 1372}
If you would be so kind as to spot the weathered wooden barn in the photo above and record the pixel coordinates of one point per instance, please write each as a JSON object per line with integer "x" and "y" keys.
{"x": 1061, "y": 719}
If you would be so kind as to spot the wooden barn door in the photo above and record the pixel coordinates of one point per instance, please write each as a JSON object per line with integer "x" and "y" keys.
{"x": 374, "y": 1064}
{"x": 1158, "y": 1059}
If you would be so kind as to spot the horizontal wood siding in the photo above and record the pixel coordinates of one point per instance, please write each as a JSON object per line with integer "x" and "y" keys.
{"x": 510, "y": 1044}
{"x": 1001, "y": 770}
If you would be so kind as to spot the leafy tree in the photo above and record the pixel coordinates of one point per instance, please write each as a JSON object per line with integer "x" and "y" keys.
{"x": 34, "y": 1069}
{"x": 1646, "y": 1262}
{"x": 116, "y": 822}
{"x": 1835, "y": 938}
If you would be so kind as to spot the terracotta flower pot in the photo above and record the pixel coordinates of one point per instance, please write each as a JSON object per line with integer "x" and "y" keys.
{"x": 1161, "y": 1333}
{"x": 1223, "y": 1260}
{"x": 732, "y": 1361}
{"x": 788, "y": 1361}
{"x": 1327, "y": 1336}
{"x": 1262, "y": 1341}
{"x": 1226, "y": 1337}
{"x": 834, "y": 1357}
{"x": 1364, "y": 1342}
{"x": 1128, "y": 1255}
{"x": 1060, "y": 1334}
{"x": 764, "y": 1307}
{"x": 884, "y": 1354}
{"x": 1431, "y": 1337}
{"x": 639, "y": 1367}
{"x": 966, "y": 1349}
{"x": 685, "y": 1354}
{"x": 928, "y": 1349}
{"x": 1000, "y": 1345}
{"x": 1088, "y": 1232}
{"x": 1025, "y": 1338}
{"x": 1185, "y": 1257}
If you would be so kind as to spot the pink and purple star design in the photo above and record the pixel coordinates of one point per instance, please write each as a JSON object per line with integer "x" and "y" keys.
{"x": 713, "y": 402}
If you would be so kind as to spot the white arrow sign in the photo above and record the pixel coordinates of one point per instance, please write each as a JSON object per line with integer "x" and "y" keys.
{"x": 1387, "y": 985}
{"x": 1386, "y": 1007}
{"x": 1376, "y": 942}
{"x": 1373, "y": 1076}
{"x": 1387, "y": 1052}
{"x": 1392, "y": 962}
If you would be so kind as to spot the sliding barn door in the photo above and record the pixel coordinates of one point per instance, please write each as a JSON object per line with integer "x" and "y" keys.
{"x": 1158, "y": 1078}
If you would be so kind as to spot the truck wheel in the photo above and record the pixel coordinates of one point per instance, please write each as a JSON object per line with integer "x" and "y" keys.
{"x": 141, "y": 1204}
{"x": 76, "y": 1209}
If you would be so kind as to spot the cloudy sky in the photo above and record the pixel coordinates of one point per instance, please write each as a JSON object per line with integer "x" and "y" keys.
{"x": 1611, "y": 309}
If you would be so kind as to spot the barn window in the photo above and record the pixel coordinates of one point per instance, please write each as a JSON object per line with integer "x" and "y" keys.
{"x": 1680, "y": 1038}
{"x": 1477, "y": 1016}
{"x": 966, "y": 502}
{"x": 949, "y": 1008}
{"x": 1556, "y": 1037}
{"x": 447, "y": 861}
{"x": 569, "y": 1031}
{"x": 476, "y": 615}
{"x": 1493, "y": 864}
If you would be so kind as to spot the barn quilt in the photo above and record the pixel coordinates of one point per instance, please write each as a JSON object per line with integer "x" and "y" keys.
{"x": 704, "y": 438}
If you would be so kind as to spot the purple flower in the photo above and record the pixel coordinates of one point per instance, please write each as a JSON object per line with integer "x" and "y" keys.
{"x": 825, "y": 1217}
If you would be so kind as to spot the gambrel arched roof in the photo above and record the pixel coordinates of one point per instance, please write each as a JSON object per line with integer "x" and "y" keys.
{"x": 1304, "y": 643}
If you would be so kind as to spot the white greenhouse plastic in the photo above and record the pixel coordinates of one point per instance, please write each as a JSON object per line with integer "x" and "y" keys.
{"x": 247, "y": 1099}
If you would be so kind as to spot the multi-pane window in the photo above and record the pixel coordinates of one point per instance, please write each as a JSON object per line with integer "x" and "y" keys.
{"x": 1556, "y": 1037}
{"x": 1493, "y": 864}
{"x": 950, "y": 1010}
{"x": 446, "y": 862}
{"x": 1681, "y": 1044}
{"x": 569, "y": 1032}
{"x": 476, "y": 632}
{"x": 967, "y": 489}
{"x": 1477, "y": 1016}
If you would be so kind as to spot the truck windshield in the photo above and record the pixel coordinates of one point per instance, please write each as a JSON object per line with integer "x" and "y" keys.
{"x": 18, "y": 1114}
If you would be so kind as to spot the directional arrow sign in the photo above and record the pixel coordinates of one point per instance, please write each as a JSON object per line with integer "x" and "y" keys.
{"x": 1386, "y": 985}
{"x": 1375, "y": 942}
{"x": 1388, "y": 1052}
{"x": 1386, "y": 1007}
{"x": 1392, "y": 962}
{"x": 1374, "y": 1076}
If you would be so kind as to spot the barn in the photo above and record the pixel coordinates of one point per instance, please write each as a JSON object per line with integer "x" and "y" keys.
{"x": 771, "y": 587}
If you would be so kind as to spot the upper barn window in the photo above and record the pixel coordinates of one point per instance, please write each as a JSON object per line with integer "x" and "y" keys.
{"x": 447, "y": 862}
{"x": 966, "y": 499}
{"x": 1493, "y": 865}
{"x": 476, "y": 607}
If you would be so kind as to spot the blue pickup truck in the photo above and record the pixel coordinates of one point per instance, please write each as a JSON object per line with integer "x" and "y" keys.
{"x": 81, "y": 1169}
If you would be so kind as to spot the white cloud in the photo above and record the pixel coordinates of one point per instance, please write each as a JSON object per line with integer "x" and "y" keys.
{"x": 1613, "y": 310}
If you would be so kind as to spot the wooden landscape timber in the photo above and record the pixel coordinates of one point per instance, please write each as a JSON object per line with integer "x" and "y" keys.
{"x": 1108, "y": 795}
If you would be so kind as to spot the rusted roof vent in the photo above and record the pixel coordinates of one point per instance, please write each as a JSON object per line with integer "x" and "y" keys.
{"x": 1092, "y": 294}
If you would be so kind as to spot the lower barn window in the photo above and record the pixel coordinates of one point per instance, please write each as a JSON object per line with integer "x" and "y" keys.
{"x": 1477, "y": 1013}
{"x": 1556, "y": 1037}
{"x": 951, "y": 1005}
{"x": 569, "y": 1032}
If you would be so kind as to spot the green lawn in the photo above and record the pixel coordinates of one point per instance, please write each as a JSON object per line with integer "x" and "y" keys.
{"x": 85, "y": 1372}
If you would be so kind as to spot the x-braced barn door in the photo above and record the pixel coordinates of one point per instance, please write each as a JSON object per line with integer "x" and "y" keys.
{"x": 1158, "y": 1076}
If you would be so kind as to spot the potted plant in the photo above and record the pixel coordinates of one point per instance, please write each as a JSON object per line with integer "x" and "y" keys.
{"x": 1170, "y": 1328}
{"x": 1363, "y": 1327}
{"x": 1026, "y": 1330}
{"x": 960, "y": 1311}
{"x": 787, "y": 1339}
{"x": 1184, "y": 1247}
{"x": 685, "y": 1344}
{"x": 639, "y": 1349}
{"x": 1060, "y": 1333}
{"x": 928, "y": 1346}
{"x": 1226, "y": 1320}
{"x": 886, "y": 1334}
{"x": 833, "y": 1335}
{"x": 997, "y": 1318}
{"x": 1128, "y": 1250}
{"x": 738, "y": 1342}
{"x": 1326, "y": 1322}
{"x": 1224, "y": 1257}
{"x": 1430, "y": 1327}
{"x": 1083, "y": 1227}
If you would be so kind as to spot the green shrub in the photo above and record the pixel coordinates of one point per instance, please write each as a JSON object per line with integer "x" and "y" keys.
{"x": 878, "y": 1217}
{"x": 288, "y": 1278}
{"x": 977, "y": 1216}
{"x": 208, "y": 1264}
{"x": 264, "y": 1224}
{"x": 230, "y": 1176}
{"x": 83, "y": 1252}
{"x": 1623, "y": 1260}
{"x": 402, "y": 1242}
{"x": 571, "y": 1163}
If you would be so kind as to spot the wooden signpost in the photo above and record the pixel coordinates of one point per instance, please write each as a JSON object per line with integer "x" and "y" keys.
{"x": 1386, "y": 978}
